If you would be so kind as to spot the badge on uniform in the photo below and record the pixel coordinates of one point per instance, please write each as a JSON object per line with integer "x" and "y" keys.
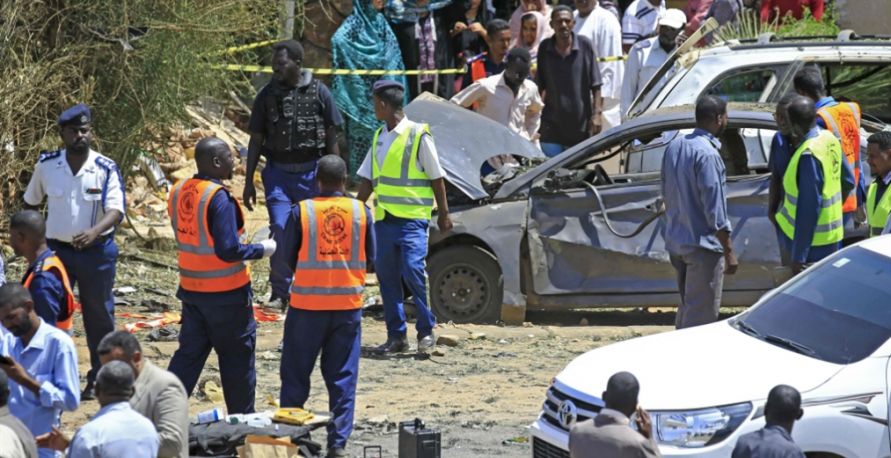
{"x": 93, "y": 191}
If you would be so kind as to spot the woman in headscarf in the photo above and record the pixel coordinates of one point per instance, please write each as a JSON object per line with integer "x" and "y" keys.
{"x": 527, "y": 6}
{"x": 532, "y": 30}
{"x": 468, "y": 28}
{"x": 364, "y": 41}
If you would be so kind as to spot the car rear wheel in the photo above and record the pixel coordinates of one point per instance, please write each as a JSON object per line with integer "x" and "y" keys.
{"x": 466, "y": 285}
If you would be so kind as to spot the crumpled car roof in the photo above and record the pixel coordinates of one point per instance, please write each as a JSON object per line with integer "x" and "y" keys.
{"x": 465, "y": 140}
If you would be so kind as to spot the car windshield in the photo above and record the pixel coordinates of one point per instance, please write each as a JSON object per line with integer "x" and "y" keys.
{"x": 839, "y": 312}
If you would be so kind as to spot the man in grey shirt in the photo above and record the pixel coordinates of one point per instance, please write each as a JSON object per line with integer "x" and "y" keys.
{"x": 783, "y": 408}
{"x": 697, "y": 226}
{"x": 157, "y": 394}
{"x": 15, "y": 438}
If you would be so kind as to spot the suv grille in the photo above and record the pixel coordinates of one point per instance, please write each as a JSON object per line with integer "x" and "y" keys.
{"x": 542, "y": 449}
{"x": 555, "y": 399}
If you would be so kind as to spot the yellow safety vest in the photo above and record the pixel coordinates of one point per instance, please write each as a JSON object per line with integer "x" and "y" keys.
{"x": 877, "y": 212}
{"x": 400, "y": 188}
{"x": 830, "y": 227}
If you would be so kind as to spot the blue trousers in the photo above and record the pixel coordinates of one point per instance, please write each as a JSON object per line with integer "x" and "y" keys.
{"x": 230, "y": 331}
{"x": 552, "y": 149}
{"x": 92, "y": 270}
{"x": 337, "y": 335}
{"x": 284, "y": 190}
{"x": 401, "y": 256}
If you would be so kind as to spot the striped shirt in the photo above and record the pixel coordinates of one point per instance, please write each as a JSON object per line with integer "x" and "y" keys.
{"x": 640, "y": 20}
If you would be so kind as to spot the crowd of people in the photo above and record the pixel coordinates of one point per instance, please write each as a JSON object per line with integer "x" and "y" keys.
{"x": 591, "y": 38}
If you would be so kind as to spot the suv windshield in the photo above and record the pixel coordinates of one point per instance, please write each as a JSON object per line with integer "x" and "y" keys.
{"x": 839, "y": 312}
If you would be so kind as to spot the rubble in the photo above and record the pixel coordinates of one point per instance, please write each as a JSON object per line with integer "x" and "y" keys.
{"x": 448, "y": 340}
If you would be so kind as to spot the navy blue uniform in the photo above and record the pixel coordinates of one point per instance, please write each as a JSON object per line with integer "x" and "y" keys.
{"x": 223, "y": 322}
{"x": 46, "y": 289}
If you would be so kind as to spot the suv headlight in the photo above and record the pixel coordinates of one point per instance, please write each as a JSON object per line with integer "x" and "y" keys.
{"x": 699, "y": 428}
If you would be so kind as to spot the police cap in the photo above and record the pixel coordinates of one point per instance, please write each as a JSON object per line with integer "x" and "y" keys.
{"x": 77, "y": 115}
{"x": 384, "y": 84}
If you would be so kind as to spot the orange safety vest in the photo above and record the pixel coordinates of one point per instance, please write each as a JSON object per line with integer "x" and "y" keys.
{"x": 200, "y": 270}
{"x": 66, "y": 314}
{"x": 843, "y": 119}
{"x": 330, "y": 271}
{"x": 477, "y": 70}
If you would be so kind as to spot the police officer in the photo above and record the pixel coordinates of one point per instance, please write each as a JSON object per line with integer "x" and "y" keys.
{"x": 815, "y": 183}
{"x": 878, "y": 200}
{"x": 327, "y": 242}
{"x": 843, "y": 120}
{"x": 85, "y": 201}
{"x": 403, "y": 170}
{"x": 215, "y": 282}
{"x": 293, "y": 123}
{"x": 46, "y": 277}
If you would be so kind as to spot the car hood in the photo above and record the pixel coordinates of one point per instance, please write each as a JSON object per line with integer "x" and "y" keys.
{"x": 465, "y": 140}
{"x": 699, "y": 367}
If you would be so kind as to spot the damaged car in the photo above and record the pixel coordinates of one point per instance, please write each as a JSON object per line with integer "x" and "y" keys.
{"x": 582, "y": 229}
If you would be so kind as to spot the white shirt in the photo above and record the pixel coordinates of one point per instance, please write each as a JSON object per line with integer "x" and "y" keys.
{"x": 116, "y": 430}
{"x": 521, "y": 113}
{"x": 639, "y": 21}
{"x": 644, "y": 59}
{"x": 603, "y": 29}
{"x": 75, "y": 203}
{"x": 10, "y": 444}
{"x": 428, "y": 160}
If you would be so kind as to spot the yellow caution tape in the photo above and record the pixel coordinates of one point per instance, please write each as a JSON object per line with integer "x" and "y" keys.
{"x": 236, "y": 49}
{"x": 359, "y": 72}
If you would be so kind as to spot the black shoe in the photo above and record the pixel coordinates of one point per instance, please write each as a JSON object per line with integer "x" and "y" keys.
{"x": 88, "y": 394}
{"x": 336, "y": 453}
{"x": 426, "y": 343}
{"x": 394, "y": 345}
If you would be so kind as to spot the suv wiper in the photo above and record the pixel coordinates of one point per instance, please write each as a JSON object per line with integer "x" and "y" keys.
{"x": 794, "y": 346}
{"x": 744, "y": 327}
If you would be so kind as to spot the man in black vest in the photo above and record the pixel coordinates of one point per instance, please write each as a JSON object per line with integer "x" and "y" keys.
{"x": 293, "y": 123}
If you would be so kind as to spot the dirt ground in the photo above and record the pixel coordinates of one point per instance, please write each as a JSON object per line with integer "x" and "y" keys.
{"x": 481, "y": 394}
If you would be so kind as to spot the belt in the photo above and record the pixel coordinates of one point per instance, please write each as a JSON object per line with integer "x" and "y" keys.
{"x": 99, "y": 242}
{"x": 296, "y": 167}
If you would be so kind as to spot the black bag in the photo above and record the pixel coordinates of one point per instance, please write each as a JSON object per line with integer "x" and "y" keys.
{"x": 222, "y": 439}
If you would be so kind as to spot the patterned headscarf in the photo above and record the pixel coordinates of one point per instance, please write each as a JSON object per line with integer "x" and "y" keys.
{"x": 363, "y": 42}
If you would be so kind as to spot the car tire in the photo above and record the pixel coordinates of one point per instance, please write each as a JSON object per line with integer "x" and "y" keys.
{"x": 466, "y": 285}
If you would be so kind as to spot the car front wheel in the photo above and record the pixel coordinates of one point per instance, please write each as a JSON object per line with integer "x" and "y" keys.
{"x": 466, "y": 285}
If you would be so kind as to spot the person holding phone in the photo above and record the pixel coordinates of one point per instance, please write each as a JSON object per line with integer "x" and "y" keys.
{"x": 609, "y": 433}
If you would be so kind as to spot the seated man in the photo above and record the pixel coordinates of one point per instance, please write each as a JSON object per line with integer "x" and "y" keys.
{"x": 116, "y": 430}
{"x": 157, "y": 394}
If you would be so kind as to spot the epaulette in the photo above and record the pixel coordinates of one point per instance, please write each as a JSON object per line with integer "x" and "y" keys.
{"x": 106, "y": 163}
{"x": 47, "y": 155}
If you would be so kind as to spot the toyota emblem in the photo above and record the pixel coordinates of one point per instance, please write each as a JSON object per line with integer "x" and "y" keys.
{"x": 567, "y": 414}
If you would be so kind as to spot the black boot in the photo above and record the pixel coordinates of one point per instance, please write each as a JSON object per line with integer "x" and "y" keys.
{"x": 394, "y": 345}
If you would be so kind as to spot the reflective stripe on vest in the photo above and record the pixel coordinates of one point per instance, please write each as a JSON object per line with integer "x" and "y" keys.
{"x": 843, "y": 119}
{"x": 331, "y": 264}
{"x": 66, "y": 315}
{"x": 830, "y": 226}
{"x": 200, "y": 270}
{"x": 877, "y": 213}
{"x": 400, "y": 188}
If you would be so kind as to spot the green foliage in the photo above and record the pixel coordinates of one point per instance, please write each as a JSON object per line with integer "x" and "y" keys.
{"x": 749, "y": 25}
{"x": 137, "y": 63}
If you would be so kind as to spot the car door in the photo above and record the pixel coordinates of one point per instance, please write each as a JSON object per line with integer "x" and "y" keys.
{"x": 574, "y": 252}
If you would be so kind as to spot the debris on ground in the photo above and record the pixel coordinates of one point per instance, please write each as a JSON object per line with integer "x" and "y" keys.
{"x": 449, "y": 340}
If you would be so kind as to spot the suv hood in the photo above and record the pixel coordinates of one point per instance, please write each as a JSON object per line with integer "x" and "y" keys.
{"x": 465, "y": 140}
{"x": 700, "y": 367}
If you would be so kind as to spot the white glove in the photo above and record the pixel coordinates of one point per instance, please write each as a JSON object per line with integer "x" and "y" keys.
{"x": 268, "y": 247}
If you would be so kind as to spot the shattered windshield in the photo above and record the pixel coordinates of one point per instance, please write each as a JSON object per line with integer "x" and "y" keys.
{"x": 465, "y": 140}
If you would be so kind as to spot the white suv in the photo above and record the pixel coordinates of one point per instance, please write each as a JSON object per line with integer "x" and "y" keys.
{"x": 855, "y": 68}
{"x": 827, "y": 333}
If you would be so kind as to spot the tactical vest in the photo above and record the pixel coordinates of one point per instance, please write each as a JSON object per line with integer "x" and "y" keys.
{"x": 843, "y": 119}
{"x": 826, "y": 149}
{"x": 295, "y": 128}
{"x": 877, "y": 209}
{"x": 330, "y": 271}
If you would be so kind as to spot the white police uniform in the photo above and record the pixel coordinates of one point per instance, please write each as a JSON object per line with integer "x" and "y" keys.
{"x": 75, "y": 203}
